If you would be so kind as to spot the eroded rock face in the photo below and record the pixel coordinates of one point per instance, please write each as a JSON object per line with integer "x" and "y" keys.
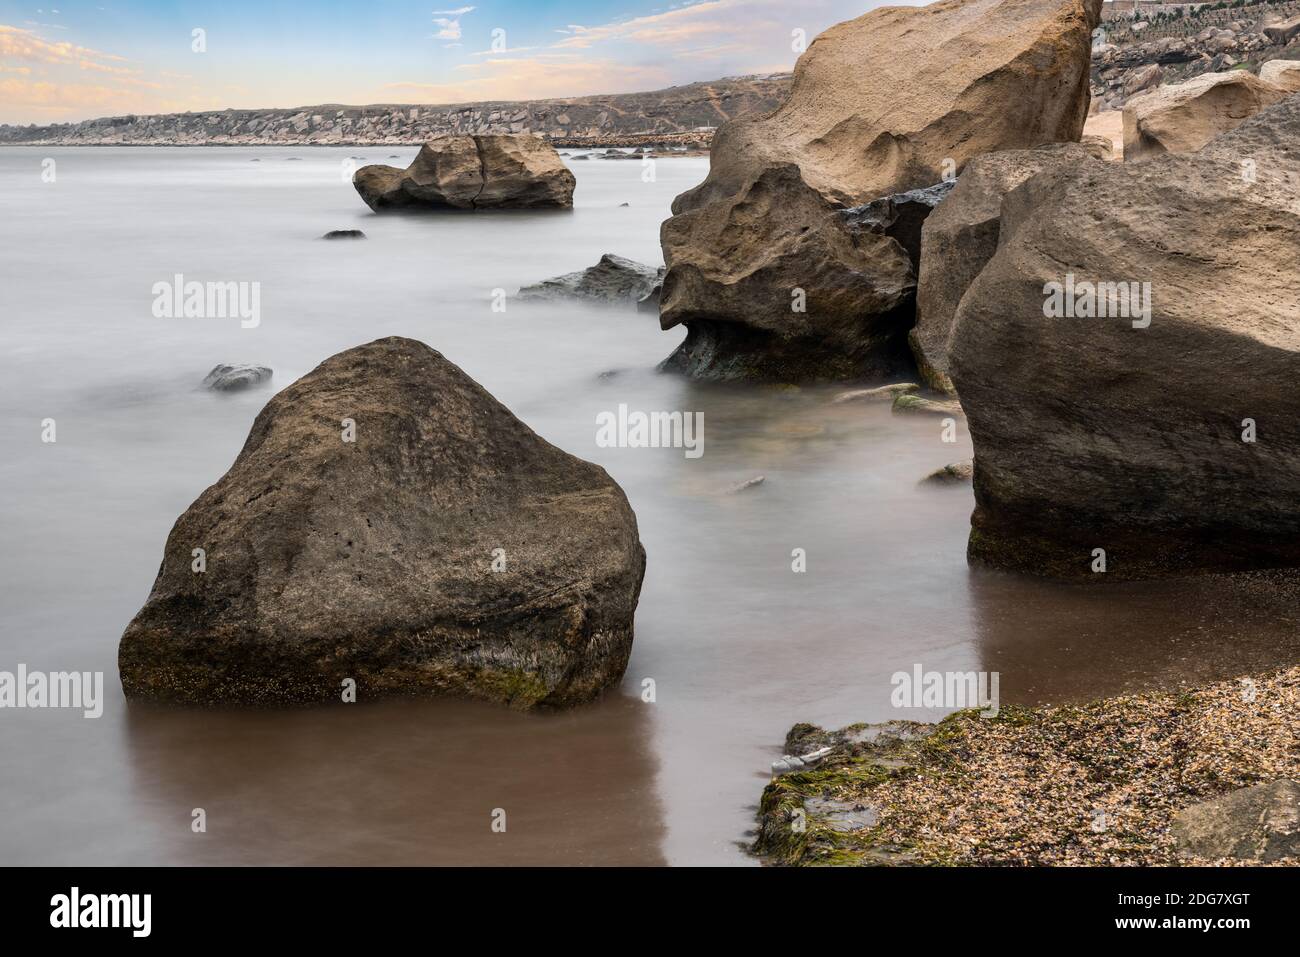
{"x": 1130, "y": 435}
{"x": 1183, "y": 117}
{"x": 896, "y": 100}
{"x": 613, "y": 279}
{"x": 778, "y": 285}
{"x": 961, "y": 236}
{"x": 472, "y": 172}
{"x": 445, "y": 550}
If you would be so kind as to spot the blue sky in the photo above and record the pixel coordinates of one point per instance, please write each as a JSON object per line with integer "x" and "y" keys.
{"x": 73, "y": 60}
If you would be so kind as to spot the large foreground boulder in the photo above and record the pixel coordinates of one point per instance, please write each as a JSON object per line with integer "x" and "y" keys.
{"x": 961, "y": 236}
{"x": 1183, "y": 117}
{"x": 896, "y": 100}
{"x": 472, "y": 172}
{"x": 1126, "y": 362}
{"x": 389, "y": 522}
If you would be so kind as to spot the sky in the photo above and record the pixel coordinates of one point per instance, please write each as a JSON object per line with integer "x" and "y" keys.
{"x": 72, "y": 61}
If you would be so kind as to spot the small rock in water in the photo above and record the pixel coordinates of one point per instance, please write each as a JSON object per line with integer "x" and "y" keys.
{"x": 879, "y": 393}
{"x": 921, "y": 406}
{"x": 233, "y": 378}
{"x": 954, "y": 474}
{"x": 613, "y": 279}
{"x": 344, "y": 234}
{"x": 748, "y": 483}
{"x": 621, "y": 205}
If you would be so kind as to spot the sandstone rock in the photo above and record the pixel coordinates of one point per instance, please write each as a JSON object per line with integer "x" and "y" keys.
{"x": 895, "y": 100}
{"x": 1284, "y": 74}
{"x": 373, "y": 559}
{"x": 739, "y": 289}
{"x": 235, "y": 378}
{"x": 472, "y": 172}
{"x": 1126, "y": 433}
{"x": 882, "y": 393}
{"x": 1183, "y": 117}
{"x": 613, "y": 279}
{"x": 961, "y": 236}
{"x": 1284, "y": 32}
{"x": 1260, "y": 824}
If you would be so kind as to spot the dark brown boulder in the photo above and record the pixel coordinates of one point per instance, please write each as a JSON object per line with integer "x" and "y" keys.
{"x": 446, "y": 550}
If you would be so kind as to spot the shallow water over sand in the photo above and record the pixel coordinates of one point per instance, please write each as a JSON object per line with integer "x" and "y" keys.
{"x": 739, "y": 646}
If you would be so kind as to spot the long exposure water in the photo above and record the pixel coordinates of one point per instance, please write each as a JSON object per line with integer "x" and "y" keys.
{"x": 739, "y": 645}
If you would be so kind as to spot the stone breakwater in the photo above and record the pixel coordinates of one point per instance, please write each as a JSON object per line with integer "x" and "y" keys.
{"x": 680, "y": 115}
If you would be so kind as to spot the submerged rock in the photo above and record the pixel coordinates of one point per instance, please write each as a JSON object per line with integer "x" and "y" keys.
{"x": 1260, "y": 824}
{"x": 472, "y": 172}
{"x": 234, "y": 378}
{"x": 344, "y": 234}
{"x": 946, "y": 82}
{"x": 747, "y": 484}
{"x": 1158, "y": 424}
{"x": 958, "y": 473}
{"x": 881, "y": 393}
{"x": 613, "y": 279}
{"x": 1183, "y": 117}
{"x": 388, "y": 522}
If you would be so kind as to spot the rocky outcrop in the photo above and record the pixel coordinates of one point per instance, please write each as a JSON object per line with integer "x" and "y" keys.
{"x": 1283, "y": 74}
{"x": 472, "y": 172}
{"x": 1259, "y": 824}
{"x": 1284, "y": 31}
{"x": 613, "y": 279}
{"x": 1123, "y": 361}
{"x": 389, "y": 523}
{"x": 945, "y": 83}
{"x": 235, "y": 378}
{"x": 1183, "y": 117}
{"x": 1140, "y": 54}
{"x": 961, "y": 236}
